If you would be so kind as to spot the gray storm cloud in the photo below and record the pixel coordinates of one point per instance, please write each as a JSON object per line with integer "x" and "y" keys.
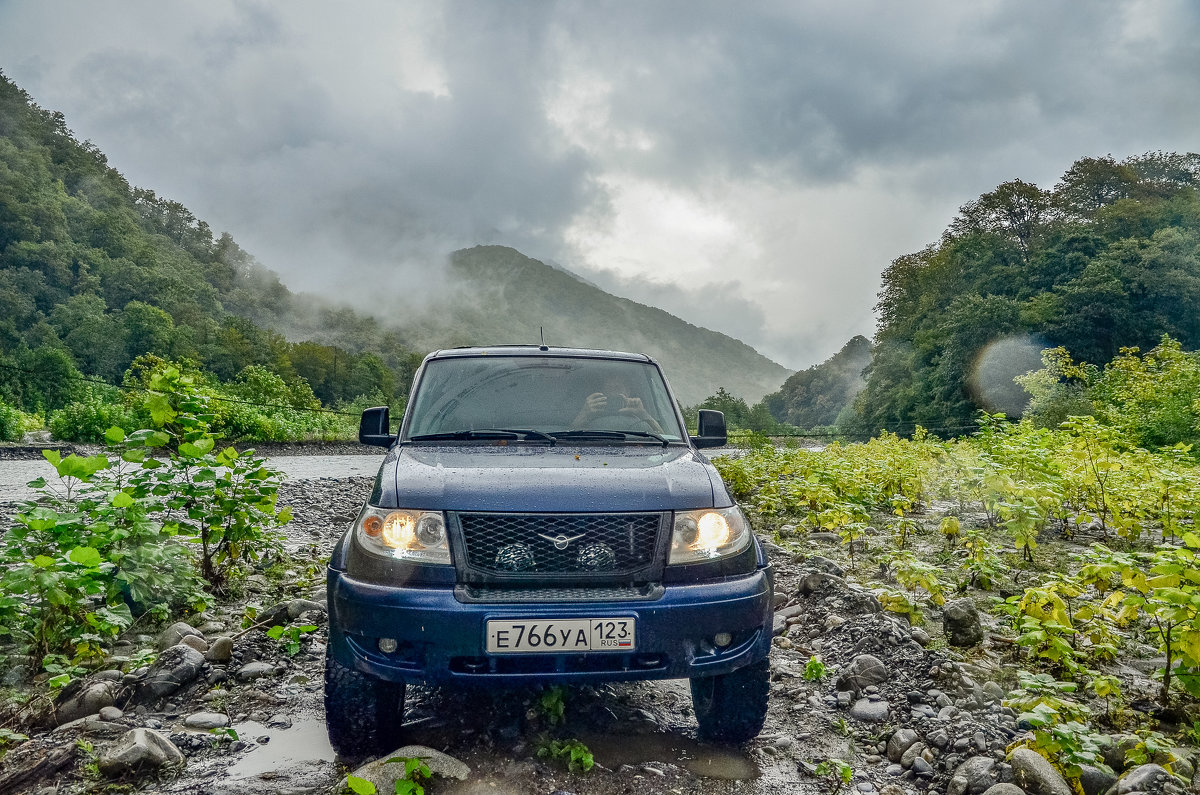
{"x": 752, "y": 168}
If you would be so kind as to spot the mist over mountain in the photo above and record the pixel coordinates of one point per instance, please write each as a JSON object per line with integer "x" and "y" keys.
{"x": 496, "y": 294}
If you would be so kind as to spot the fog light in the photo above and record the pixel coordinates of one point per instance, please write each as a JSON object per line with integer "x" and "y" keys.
{"x": 387, "y": 645}
{"x": 722, "y": 639}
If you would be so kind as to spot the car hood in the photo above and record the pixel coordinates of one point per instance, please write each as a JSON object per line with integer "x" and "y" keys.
{"x": 537, "y": 477}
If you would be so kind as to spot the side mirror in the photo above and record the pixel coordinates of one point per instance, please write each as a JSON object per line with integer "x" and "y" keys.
{"x": 373, "y": 427}
{"x": 711, "y": 430}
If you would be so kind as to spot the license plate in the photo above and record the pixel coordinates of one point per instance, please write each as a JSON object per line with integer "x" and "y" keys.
{"x": 557, "y": 636}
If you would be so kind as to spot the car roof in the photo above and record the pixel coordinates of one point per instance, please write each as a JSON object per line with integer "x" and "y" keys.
{"x": 537, "y": 350}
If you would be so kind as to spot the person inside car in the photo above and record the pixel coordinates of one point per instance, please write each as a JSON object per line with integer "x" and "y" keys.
{"x": 614, "y": 408}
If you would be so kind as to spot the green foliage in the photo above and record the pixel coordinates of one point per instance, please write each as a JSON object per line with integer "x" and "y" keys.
{"x": 15, "y": 423}
{"x": 95, "y": 274}
{"x": 1167, "y": 592}
{"x": 552, "y": 704}
{"x": 982, "y": 566}
{"x": 815, "y": 397}
{"x": 756, "y": 420}
{"x": 106, "y": 539}
{"x": 950, "y": 528}
{"x": 1042, "y": 699}
{"x": 97, "y": 409}
{"x": 1150, "y": 746}
{"x": 814, "y": 669}
{"x": 1069, "y": 745}
{"x": 9, "y": 738}
{"x": 916, "y": 576}
{"x": 1108, "y": 259}
{"x": 573, "y": 753}
{"x": 89, "y": 550}
{"x": 415, "y": 771}
{"x": 837, "y": 772}
{"x": 224, "y": 499}
{"x": 289, "y": 637}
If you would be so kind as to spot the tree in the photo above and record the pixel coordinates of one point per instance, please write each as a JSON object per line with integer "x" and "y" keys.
{"x": 94, "y": 337}
{"x": 1094, "y": 182}
{"x": 1014, "y": 210}
{"x": 148, "y": 329}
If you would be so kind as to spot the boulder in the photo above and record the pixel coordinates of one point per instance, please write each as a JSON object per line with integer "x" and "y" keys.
{"x": 88, "y": 699}
{"x": 1094, "y": 780}
{"x": 817, "y": 581}
{"x": 1004, "y": 789}
{"x": 175, "y": 668}
{"x": 960, "y": 620}
{"x": 206, "y": 720}
{"x": 974, "y": 777}
{"x": 221, "y": 650}
{"x": 826, "y": 565}
{"x": 384, "y": 774}
{"x": 196, "y": 642}
{"x": 900, "y": 742}
{"x": 1151, "y": 779}
{"x": 863, "y": 671}
{"x": 298, "y": 607}
{"x": 255, "y": 670}
{"x": 175, "y": 633}
{"x": 913, "y": 752}
{"x": 140, "y": 749}
{"x": 1032, "y": 773}
{"x": 870, "y": 711}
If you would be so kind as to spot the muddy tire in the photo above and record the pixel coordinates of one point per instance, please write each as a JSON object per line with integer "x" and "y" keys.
{"x": 362, "y": 714}
{"x": 732, "y": 707}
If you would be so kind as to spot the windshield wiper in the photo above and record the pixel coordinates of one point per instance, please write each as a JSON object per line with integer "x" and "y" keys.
{"x": 599, "y": 434}
{"x": 485, "y": 433}
{"x": 658, "y": 437}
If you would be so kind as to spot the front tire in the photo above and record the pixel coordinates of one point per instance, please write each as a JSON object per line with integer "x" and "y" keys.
{"x": 732, "y": 707}
{"x": 363, "y": 714}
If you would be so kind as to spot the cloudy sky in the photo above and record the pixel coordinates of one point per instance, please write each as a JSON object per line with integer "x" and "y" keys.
{"x": 751, "y": 167}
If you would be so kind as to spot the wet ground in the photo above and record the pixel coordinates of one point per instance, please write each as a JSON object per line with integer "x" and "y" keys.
{"x": 16, "y": 473}
{"x": 642, "y": 735}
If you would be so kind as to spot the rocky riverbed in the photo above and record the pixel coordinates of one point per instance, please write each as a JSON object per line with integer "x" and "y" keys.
{"x": 223, "y": 709}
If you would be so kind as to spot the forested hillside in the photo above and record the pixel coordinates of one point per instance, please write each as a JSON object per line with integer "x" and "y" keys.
{"x": 95, "y": 273}
{"x": 1107, "y": 259}
{"x": 817, "y": 396}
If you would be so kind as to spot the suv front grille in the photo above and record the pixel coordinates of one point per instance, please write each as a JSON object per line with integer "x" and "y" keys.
{"x": 513, "y": 546}
{"x": 563, "y": 593}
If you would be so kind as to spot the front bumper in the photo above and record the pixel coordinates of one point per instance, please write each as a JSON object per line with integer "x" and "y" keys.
{"x": 440, "y": 638}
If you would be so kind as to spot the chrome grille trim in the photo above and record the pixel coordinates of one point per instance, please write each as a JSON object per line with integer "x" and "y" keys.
{"x": 566, "y": 548}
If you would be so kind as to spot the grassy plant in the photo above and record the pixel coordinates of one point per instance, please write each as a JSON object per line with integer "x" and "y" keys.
{"x": 289, "y": 637}
{"x": 552, "y": 704}
{"x": 573, "y": 753}
{"x": 837, "y": 772}
{"x": 415, "y": 771}
{"x": 814, "y": 669}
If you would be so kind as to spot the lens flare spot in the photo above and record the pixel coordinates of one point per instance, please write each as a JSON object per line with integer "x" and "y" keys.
{"x": 991, "y": 379}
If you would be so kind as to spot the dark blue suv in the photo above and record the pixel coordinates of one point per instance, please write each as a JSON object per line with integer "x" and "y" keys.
{"x": 543, "y": 516}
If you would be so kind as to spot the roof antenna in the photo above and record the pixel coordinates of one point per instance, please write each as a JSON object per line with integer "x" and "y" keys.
{"x": 542, "y": 335}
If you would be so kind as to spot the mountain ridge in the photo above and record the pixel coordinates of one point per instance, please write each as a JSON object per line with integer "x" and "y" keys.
{"x": 575, "y": 313}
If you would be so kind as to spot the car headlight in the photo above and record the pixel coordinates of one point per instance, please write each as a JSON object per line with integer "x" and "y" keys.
{"x": 417, "y": 536}
{"x": 708, "y": 534}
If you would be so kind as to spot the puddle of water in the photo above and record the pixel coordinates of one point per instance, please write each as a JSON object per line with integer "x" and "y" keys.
{"x": 711, "y": 761}
{"x": 305, "y": 742}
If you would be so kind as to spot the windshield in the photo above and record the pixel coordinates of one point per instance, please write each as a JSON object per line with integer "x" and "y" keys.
{"x": 548, "y": 395}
